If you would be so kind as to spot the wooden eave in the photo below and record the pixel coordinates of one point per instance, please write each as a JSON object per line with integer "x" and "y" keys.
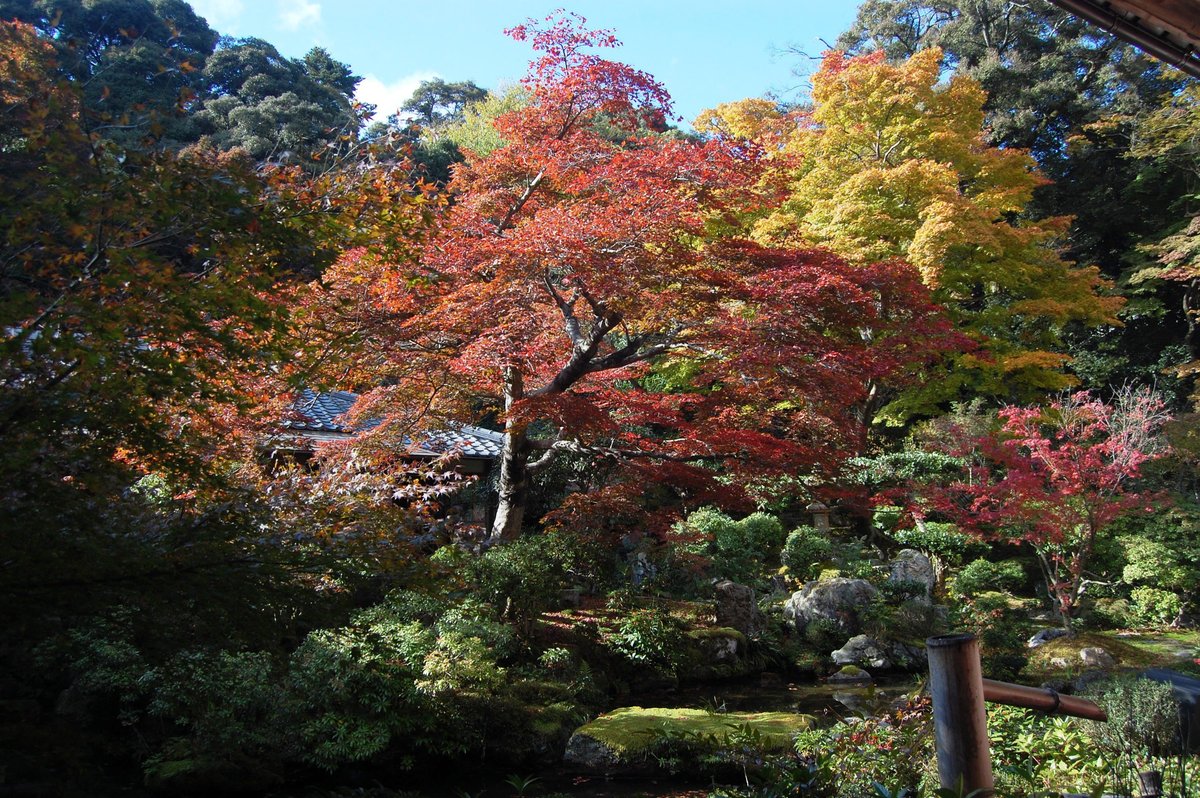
{"x": 1166, "y": 29}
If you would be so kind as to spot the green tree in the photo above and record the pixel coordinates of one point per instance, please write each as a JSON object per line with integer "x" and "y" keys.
{"x": 138, "y": 62}
{"x": 273, "y": 107}
{"x": 436, "y": 103}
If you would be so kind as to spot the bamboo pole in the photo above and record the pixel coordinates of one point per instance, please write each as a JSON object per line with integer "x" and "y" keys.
{"x": 959, "y": 715}
{"x": 1045, "y": 699}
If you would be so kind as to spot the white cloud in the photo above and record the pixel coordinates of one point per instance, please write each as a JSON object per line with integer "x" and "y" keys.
{"x": 223, "y": 15}
{"x": 388, "y": 97}
{"x": 296, "y": 14}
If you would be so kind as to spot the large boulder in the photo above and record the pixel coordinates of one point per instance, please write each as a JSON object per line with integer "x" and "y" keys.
{"x": 911, "y": 565}
{"x": 1096, "y": 657}
{"x": 868, "y": 652}
{"x": 737, "y": 608}
{"x": 862, "y": 651}
{"x": 837, "y": 601}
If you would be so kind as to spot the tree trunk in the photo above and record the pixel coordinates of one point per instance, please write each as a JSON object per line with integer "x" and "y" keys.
{"x": 513, "y": 485}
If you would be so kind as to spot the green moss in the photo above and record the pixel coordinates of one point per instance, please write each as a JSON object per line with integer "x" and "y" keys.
{"x": 1068, "y": 648}
{"x": 632, "y": 730}
{"x": 713, "y": 632}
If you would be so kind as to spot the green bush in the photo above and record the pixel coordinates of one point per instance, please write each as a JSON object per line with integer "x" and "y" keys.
{"x": 1035, "y": 754}
{"x": 737, "y": 550}
{"x": 849, "y": 759}
{"x": 942, "y": 541}
{"x": 1143, "y": 725}
{"x": 387, "y": 684}
{"x": 804, "y": 552}
{"x": 522, "y": 578}
{"x": 651, "y": 637}
{"x": 1155, "y": 607}
{"x": 1001, "y": 629}
{"x": 980, "y": 576}
{"x": 1112, "y": 613}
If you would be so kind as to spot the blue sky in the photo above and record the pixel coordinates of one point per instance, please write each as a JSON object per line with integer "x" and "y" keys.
{"x": 704, "y": 52}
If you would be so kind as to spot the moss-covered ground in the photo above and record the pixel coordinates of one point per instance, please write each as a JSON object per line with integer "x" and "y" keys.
{"x": 631, "y": 731}
{"x": 1177, "y": 649}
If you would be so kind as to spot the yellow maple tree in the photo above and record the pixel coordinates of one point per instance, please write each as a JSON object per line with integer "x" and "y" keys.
{"x": 891, "y": 162}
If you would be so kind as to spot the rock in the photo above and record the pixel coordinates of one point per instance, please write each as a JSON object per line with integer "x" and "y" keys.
{"x": 1086, "y": 680}
{"x": 836, "y": 600}
{"x": 1096, "y": 657}
{"x": 850, "y": 674}
{"x": 1059, "y": 662}
{"x": 908, "y": 657}
{"x": 720, "y": 649}
{"x": 1045, "y": 636}
{"x": 737, "y": 609}
{"x": 911, "y": 565}
{"x": 73, "y": 702}
{"x": 864, "y": 651}
{"x": 622, "y": 740}
{"x": 586, "y": 752}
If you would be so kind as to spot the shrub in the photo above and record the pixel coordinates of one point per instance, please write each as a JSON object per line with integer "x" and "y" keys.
{"x": 737, "y": 550}
{"x": 941, "y": 541}
{"x": 388, "y": 683}
{"x": 1001, "y": 631}
{"x": 1155, "y": 607}
{"x": 1036, "y": 754}
{"x": 522, "y": 578}
{"x": 1143, "y": 723}
{"x": 849, "y": 759}
{"x": 651, "y": 637}
{"x": 804, "y": 551}
{"x": 982, "y": 575}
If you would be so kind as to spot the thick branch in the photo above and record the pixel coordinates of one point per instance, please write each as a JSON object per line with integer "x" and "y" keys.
{"x": 553, "y": 447}
{"x": 581, "y": 357}
{"x": 570, "y": 321}
{"x": 506, "y": 222}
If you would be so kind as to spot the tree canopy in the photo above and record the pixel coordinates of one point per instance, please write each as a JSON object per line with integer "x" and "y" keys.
{"x": 891, "y": 163}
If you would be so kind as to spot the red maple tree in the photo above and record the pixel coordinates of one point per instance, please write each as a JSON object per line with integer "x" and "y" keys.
{"x": 1055, "y": 477}
{"x": 580, "y": 287}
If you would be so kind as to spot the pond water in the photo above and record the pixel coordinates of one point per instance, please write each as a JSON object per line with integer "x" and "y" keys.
{"x": 829, "y": 703}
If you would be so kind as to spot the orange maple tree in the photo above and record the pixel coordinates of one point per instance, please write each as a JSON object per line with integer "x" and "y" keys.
{"x": 579, "y": 286}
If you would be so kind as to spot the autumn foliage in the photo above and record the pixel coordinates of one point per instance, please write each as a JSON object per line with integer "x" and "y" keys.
{"x": 580, "y": 289}
{"x": 892, "y": 162}
{"x": 1055, "y": 477}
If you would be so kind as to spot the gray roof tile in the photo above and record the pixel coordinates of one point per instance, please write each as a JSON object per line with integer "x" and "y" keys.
{"x": 323, "y": 412}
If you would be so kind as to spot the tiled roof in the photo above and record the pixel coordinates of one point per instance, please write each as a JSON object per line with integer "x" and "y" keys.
{"x": 323, "y": 412}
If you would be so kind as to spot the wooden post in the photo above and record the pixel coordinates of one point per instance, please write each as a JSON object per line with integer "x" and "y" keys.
{"x": 959, "y": 716}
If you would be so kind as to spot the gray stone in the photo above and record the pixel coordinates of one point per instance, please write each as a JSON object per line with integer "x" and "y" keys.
{"x": 737, "y": 608}
{"x": 837, "y": 600}
{"x": 719, "y": 650}
{"x": 1045, "y": 636}
{"x": 862, "y": 651}
{"x": 911, "y": 565}
{"x": 584, "y": 751}
{"x": 908, "y": 657}
{"x": 1095, "y": 657}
